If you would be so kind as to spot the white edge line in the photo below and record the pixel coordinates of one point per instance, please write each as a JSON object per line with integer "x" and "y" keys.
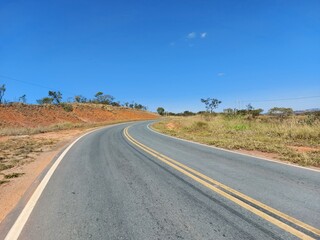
{"x": 226, "y": 150}
{"x": 17, "y": 227}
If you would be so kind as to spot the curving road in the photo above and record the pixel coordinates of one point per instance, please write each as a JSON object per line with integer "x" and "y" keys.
{"x": 133, "y": 183}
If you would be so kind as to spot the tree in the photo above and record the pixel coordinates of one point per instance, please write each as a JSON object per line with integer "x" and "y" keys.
{"x": 2, "y": 91}
{"x": 45, "y": 100}
{"x": 249, "y": 107}
{"x": 116, "y": 104}
{"x": 280, "y": 111}
{"x": 103, "y": 98}
{"x": 228, "y": 111}
{"x": 80, "y": 99}
{"x": 98, "y": 94}
{"x": 253, "y": 112}
{"x": 188, "y": 113}
{"x": 211, "y": 103}
{"x": 56, "y": 96}
{"x": 160, "y": 110}
{"x": 23, "y": 98}
{"x": 256, "y": 112}
{"x": 139, "y": 106}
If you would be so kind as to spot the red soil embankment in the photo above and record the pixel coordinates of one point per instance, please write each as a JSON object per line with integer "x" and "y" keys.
{"x": 21, "y": 115}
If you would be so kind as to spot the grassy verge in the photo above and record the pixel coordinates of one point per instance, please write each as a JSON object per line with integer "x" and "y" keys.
{"x": 294, "y": 139}
{"x": 10, "y": 131}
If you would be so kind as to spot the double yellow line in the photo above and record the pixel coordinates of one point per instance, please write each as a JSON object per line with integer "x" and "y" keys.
{"x": 233, "y": 195}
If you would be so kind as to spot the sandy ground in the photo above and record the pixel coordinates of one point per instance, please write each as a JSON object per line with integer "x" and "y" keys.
{"x": 11, "y": 192}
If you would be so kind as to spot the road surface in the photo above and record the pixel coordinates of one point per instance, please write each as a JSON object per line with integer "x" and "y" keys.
{"x": 129, "y": 182}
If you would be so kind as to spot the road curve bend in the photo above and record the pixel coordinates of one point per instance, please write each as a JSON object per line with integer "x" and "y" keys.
{"x": 128, "y": 182}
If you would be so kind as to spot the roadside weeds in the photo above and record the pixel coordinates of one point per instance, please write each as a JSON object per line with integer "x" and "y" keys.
{"x": 289, "y": 140}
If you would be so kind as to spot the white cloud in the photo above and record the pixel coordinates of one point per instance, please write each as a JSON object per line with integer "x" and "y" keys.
{"x": 221, "y": 74}
{"x": 191, "y": 35}
{"x": 203, "y": 35}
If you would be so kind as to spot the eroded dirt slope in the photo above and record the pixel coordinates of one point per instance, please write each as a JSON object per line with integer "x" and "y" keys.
{"x": 20, "y": 115}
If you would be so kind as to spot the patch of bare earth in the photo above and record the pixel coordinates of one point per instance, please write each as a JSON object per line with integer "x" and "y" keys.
{"x": 171, "y": 126}
{"x": 303, "y": 149}
{"x": 26, "y": 157}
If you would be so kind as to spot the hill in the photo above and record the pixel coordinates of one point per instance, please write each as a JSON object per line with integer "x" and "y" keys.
{"x": 32, "y": 135}
{"x": 19, "y": 116}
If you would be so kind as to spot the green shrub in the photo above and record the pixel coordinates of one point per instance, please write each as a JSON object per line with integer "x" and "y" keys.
{"x": 200, "y": 125}
{"x": 240, "y": 127}
{"x": 67, "y": 107}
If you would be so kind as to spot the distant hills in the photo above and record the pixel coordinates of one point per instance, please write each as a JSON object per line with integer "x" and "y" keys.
{"x": 307, "y": 110}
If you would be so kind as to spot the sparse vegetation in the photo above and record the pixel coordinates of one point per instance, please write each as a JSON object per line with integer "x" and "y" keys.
{"x": 67, "y": 107}
{"x": 103, "y": 98}
{"x": 13, "y": 175}
{"x": 80, "y": 99}
{"x": 2, "y": 91}
{"x": 56, "y": 96}
{"x": 17, "y": 151}
{"x": 295, "y": 139}
{"x": 45, "y": 100}
{"x": 23, "y": 98}
{"x": 211, "y": 103}
{"x": 3, "y": 181}
{"x": 281, "y": 112}
{"x": 160, "y": 111}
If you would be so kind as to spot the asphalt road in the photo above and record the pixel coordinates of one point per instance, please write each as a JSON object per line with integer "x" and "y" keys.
{"x": 114, "y": 184}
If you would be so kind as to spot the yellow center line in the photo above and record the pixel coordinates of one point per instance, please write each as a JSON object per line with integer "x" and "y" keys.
{"x": 195, "y": 176}
{"x": 270, "y": 209}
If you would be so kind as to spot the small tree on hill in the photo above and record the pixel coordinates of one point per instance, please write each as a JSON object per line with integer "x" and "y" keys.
{"x": 126, "y": 104}
{"x": 23, "y": 98}
{"x": 56, "y": 96}
{"x": 139, "y": 106}
{"x": 211, "y": 103}
{"x": 80, "y": 99}
{"x": 45, "y": 100}
{"x": 103, "y": 98}
{"x": 160, "y": 110}
{"x": 97, "y": 95}
{"x": 2, "y": 91}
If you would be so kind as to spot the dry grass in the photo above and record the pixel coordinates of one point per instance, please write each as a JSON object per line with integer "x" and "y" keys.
{"x": 9, "y": 131}
{"x": 17, "y": 151}
{"x": 296, "y": 139}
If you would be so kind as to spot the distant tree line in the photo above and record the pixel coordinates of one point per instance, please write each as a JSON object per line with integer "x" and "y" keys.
{"x": 55, "y": 97}
{"x": 99, "y": 98}
{"x": 212, "y": 103}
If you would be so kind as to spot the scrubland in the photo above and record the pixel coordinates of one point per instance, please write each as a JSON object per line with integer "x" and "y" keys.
{"x": 295, "y": 139}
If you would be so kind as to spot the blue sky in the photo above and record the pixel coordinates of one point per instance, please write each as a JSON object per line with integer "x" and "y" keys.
{"x": 164, "y": 53}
